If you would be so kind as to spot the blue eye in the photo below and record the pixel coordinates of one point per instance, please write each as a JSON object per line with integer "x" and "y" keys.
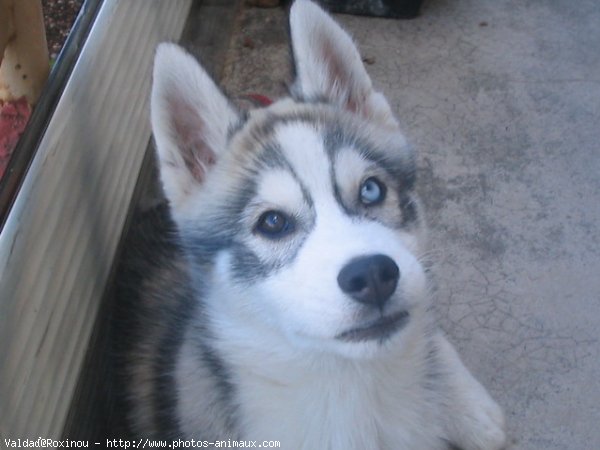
{"x": 274, "y": 224}
{"x": 372, "y": 192}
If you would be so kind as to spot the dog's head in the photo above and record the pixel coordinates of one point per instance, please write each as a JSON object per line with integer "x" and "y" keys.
{"x": 302, "y": 215}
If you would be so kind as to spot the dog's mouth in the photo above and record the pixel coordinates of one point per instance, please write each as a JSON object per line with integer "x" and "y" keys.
{"x": 381, "y": 329}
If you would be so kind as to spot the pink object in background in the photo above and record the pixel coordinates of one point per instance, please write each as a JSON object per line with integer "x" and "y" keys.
{"x": 13, "y": 119}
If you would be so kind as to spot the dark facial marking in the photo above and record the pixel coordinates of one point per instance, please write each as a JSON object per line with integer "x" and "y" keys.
{"x": 238, "y": 125}
{"x": 408, "y": 209}
{"x": 206, "y": 238}
{"x": 400, "y": 168}
{"x": 271, "y": 157}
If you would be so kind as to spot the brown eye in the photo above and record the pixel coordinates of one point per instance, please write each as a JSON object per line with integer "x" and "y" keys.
{"x": 274, "y": 225}
{"x": 372, "y": 192}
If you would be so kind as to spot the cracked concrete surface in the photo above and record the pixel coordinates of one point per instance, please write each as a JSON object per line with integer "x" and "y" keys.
{"x": 502, "y": 100}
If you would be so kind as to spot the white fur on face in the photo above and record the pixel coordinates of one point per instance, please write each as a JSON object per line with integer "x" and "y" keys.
{"x": 303, "y": 298}
{"x": 278, "y": 188}
{"x": 304, "y": 149}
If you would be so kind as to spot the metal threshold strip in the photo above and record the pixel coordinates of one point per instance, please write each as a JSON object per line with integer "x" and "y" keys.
{"x": 42, "y": 113}
{"x": 60, "y": 237}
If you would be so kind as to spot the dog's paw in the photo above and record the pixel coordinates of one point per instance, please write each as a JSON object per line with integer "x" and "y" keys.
{"x": 474, "y": 420}
{"x": 482, "y": 426}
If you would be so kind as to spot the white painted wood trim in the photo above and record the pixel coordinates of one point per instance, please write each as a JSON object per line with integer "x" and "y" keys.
{"x": 58, "y": 244}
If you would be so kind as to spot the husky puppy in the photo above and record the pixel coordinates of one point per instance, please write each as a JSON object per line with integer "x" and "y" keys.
{"x": 289, "y": 301}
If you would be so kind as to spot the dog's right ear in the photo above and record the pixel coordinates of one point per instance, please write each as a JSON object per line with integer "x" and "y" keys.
{"x": 190, "y": 121}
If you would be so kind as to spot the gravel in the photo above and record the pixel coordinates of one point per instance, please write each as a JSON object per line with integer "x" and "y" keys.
{"x": 59, "y": 16}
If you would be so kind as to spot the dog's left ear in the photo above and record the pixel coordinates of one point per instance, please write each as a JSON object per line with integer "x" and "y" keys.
{"x": 329, "y": 67}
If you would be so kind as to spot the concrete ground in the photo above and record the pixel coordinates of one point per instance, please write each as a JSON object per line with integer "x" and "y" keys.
{"x": 502, "y": 100}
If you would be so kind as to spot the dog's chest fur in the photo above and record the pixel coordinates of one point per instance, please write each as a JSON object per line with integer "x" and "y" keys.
{"x": 311, "y": 402}
{"x": 345, "y": 407}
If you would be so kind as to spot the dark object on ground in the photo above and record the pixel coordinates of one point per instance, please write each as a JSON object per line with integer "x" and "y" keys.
{"x": 398, "y": 9}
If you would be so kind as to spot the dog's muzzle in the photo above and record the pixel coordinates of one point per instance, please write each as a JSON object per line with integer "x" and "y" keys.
{"x": 371, "y": 281}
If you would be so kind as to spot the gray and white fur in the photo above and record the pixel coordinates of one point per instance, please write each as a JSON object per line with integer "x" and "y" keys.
{"x": 289, "y": 300}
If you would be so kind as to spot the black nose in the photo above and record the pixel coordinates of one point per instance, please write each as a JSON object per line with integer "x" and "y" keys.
{"x": 370, "y": 279}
